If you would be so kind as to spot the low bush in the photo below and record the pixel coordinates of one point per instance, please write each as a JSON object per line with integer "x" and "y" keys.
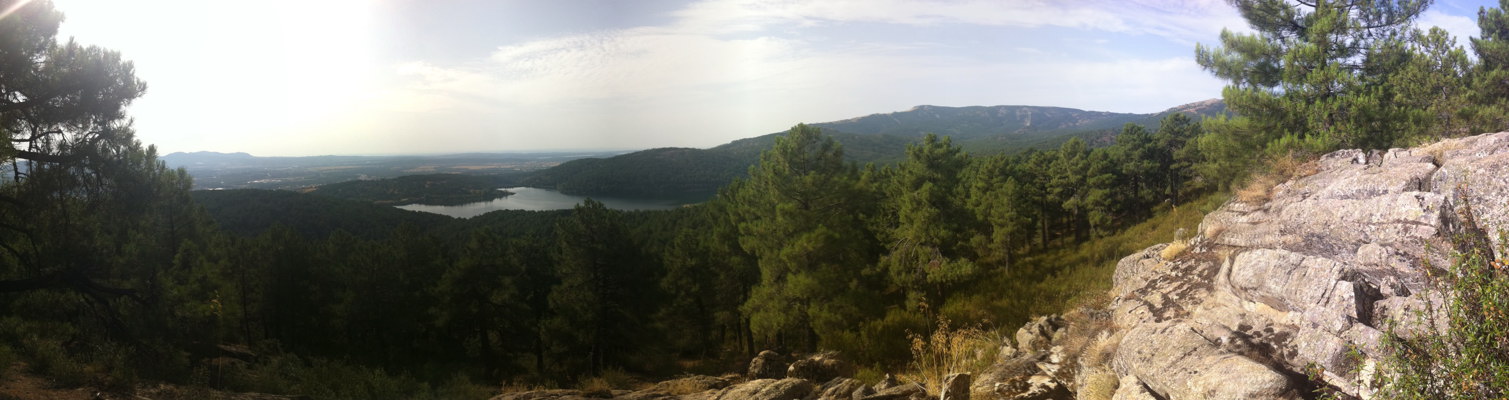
{"x": 1470, "y": 360}
{"x": 328, "y": 379}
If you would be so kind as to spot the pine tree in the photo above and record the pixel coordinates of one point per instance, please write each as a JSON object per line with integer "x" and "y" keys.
{"x": 799, "y": 216}
{"x": 1176, "y": 155}
{"x": 605, "y": 291}
{"x": 1138, "y": 155}
{"x": 1430, "y": 89}
{"x": 1490, "y": 77}
{"x": 1313, "y": 75}
{"x": 481, "y": 299}
{"x": 1003, "y": 208}
{"x": 1068, "y": 188}
{"x": 927, "y": 240}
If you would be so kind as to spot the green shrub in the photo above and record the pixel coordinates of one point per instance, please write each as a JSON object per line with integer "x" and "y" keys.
{"x": 7, "y": 358}
{"x": 49, "y": 358}
{"x": 461, "y": 387}
{"x": 1471, "y": 359}
{"x": 329, "y": 379}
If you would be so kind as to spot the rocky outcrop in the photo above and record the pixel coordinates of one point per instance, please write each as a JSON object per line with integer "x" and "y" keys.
{"x": 767, "y": 389}
{"x": 906, "y": 391}
{"x": 767, "y": 365}
{"x": 822, "y": 376}
{"x": 1038, "y": 334}
{"x": 955, "y": 387}
{"x": 1033, "y": 369}
{"x": 820, "y": 368}
{"x": 1268, "y": 289}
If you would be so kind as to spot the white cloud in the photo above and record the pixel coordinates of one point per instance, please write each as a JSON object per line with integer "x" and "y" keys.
{"x": 727, "y": 69}
{"x": 1459, "y": 26}
{"x": 1177, "y": 19}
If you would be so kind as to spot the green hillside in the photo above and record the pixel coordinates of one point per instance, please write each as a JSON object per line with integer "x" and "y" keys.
{"x": 875, "y": 138}
{"x": 963, "y": 123}
{"x": 667, "y": 171}
{"x": 250, "y": 212}
{"x": 439, "y": 189}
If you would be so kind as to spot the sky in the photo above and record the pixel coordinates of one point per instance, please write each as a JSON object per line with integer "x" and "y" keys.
{"x": 371, "y": 77}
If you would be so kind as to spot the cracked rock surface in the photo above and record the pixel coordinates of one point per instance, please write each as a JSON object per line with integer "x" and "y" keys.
{"x": 1301, "y": 279}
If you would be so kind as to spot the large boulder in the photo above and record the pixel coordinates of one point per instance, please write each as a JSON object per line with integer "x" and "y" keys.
{"x": 692, "y": 384}
{"x": 767, "y": 389}
{"x": 552, "y": 394}
{"x": 837, "y": 389}
{"x": 1037, "y": 335}
{"x": 1038, "y": 387}
{"x": 767, "y": 365}
{"x": 821, "y": 367}
{"x": 1131, "y": 388}
{"x": 1179, "y": 363}
{"x": 955, "y": 387}
{"x": 909, "y": 391}
{"x": 1008, "y": 378}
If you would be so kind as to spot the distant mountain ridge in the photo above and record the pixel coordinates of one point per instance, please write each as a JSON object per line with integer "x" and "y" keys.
{"x": 878, "y": 138}
{"x": 212, "y": 170}
{"x": 204, "y": 157}
{"x": 981, "y": 121}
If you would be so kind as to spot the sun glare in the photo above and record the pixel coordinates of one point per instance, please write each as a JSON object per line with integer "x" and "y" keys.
{"x": 294, "y": 66}
{"x": 12, "y": 9}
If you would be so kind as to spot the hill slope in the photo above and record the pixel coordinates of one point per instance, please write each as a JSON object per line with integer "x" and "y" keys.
{"x": 656, "y": 172}
{"x": 1306, "y": 278}
{"x": 251, "y": 211}
{"x": 964, "y": 123}
{"x": 877, "y": 138}
{"x": 439, "y": 189}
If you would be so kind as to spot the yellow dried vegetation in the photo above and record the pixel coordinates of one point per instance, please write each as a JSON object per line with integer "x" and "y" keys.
{"x": 948, "y": 350}
{"x": 1259, "y": 187}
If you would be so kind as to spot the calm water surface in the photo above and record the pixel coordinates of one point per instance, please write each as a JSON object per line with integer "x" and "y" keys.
{"x": 526, "y": 198}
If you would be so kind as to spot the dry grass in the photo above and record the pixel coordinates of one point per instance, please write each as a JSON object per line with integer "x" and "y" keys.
{"x": 1438, "y": 150}
{"x": 686, "y": 386}
{"x": 1101, "y": 384}
{"x": 1259, "y": 188}
{"x": 596, "y": 387}
{"x": 1293, "y": 165}
{"x": 1090, "y": 343}
{"x": 1213, "y": 230}
{"x": 1090, "y": 340}
{"x": 1100, "y": 352}
{"x": 1174, "y": 249}
{"x": 947, "y": 351}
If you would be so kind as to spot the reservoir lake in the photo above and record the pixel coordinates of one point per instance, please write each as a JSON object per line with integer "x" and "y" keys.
{"x": 536, "y": 199}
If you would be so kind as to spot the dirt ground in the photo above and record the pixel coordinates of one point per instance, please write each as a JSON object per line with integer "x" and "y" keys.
{"x": 19, "y": 384}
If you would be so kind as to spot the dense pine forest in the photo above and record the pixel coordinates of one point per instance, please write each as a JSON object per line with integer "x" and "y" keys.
{"x": 112, "y": 273}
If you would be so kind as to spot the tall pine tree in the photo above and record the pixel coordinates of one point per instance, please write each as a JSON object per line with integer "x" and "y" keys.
{"x": 799, "y": 216}
{"x": 1313, "y": 74}
{"x": 606, "y": 289}
{"x": 927, "y": 242}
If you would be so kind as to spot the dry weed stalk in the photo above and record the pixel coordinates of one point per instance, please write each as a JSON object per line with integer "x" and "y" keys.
{"x": 948, "y": 351}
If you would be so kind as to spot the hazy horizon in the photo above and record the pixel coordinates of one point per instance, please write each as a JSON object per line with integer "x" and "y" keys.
{"x": 346, "y": 77}
{"x": 600, "y": 151}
